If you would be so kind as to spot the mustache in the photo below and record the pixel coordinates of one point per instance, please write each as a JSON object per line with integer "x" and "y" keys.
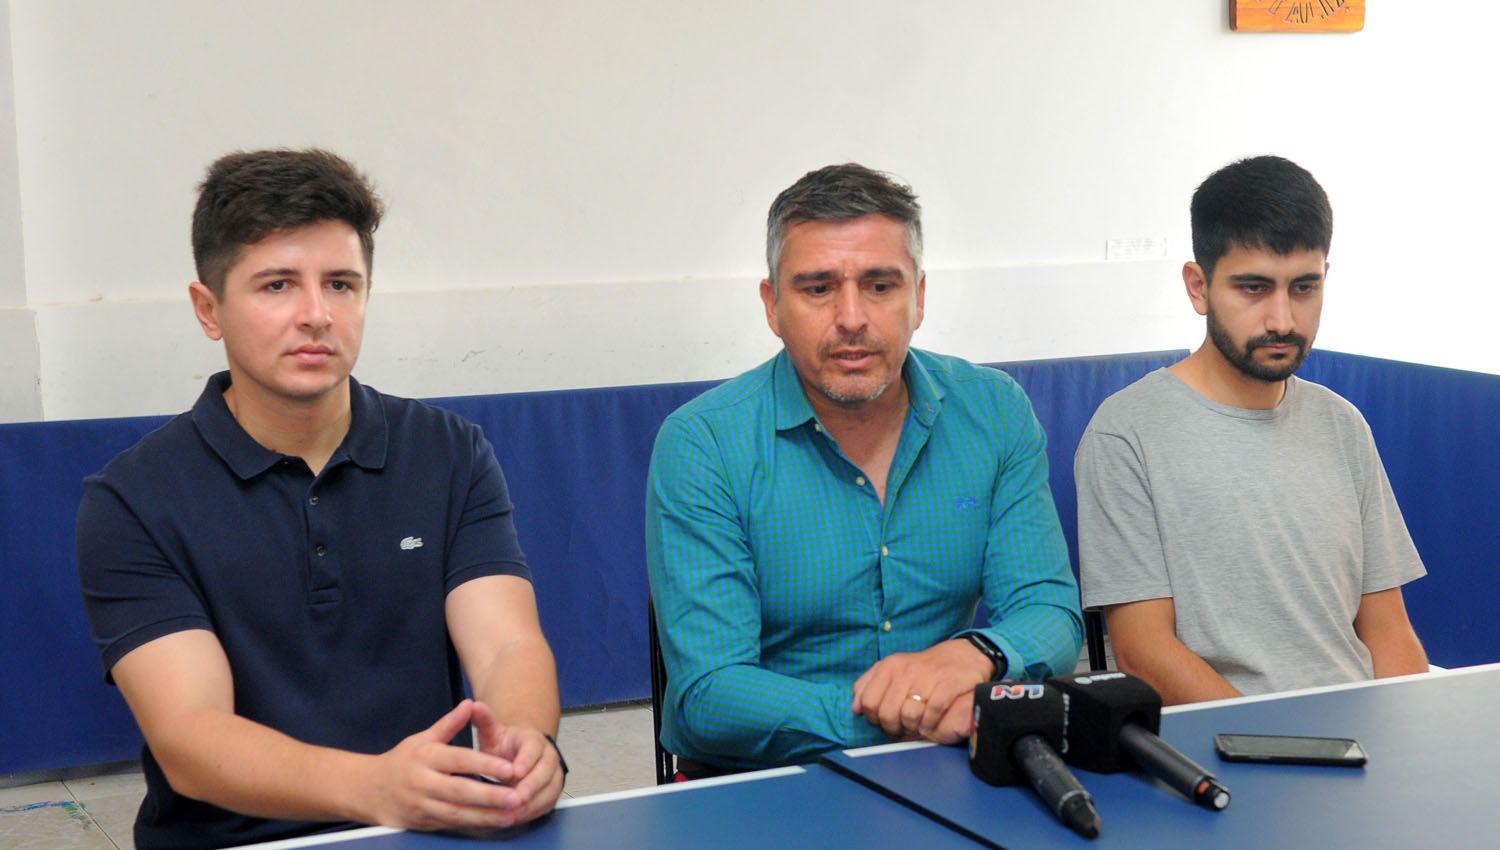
{"x": 1276, "y": 339}
{"x": 861, "y": 341}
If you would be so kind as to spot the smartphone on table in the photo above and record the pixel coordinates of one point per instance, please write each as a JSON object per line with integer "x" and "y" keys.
{"x": 1290, "y": 749}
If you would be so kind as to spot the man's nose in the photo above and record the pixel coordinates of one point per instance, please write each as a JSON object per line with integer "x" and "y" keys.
{"x": 1279, "y": 314}
{"x": 851, "y": 316}
{"x": 312, "y": 308}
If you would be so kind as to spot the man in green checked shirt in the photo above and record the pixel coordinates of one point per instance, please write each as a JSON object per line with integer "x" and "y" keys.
{"x": 820, "y": 529}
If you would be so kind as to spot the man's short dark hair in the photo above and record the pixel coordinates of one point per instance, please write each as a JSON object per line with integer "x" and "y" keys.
{"x": 842, "y": 193}
{"x": 247, "y": 196}
{"x": 1261, "y": 202}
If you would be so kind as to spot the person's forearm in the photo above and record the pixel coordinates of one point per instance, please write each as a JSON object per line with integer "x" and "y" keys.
{"x": 1176, "y": 672}
{"x": 237, "y": 764}
{"x": 1047, "y": 638}
{"x": 520, "y": 685}
{"x": 752, "y": 714}
{"x": 1396, "y": 654}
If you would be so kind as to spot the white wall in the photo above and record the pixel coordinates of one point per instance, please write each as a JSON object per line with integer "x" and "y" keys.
{"x": 20, "y": 365}
{"x": 577, "y": 190}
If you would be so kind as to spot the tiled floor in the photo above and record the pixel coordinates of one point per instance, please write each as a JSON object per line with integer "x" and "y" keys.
{"x": 607, "y": 750}
{"x": 51, "y": 815}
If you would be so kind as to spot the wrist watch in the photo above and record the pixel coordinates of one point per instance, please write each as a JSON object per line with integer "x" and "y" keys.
{"x": 982, "y": 643}
{"x": 560, "y": 760}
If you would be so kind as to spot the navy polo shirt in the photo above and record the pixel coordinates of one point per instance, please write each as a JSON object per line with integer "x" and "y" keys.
{"x": 325, "y": 591}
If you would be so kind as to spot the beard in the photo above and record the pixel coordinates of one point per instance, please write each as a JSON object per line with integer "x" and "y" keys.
{"x": 1243, "y": 358}
{"x": 854, "y": 396}
{"x": 855, "y": 390}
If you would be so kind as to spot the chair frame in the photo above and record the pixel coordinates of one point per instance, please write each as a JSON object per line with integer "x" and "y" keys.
{"x": 1093, "y": 633}
{"x": 666, "y": 763}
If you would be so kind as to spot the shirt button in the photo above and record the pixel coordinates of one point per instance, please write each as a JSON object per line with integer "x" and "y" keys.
{"x": 818, "y": 426}
{"x": 860, "y": 481}
{"x": 321, "y": 550}
{"x": 313, "y": 500}
{"x": 884, "y": 551}
{"x": 886, "y": 626}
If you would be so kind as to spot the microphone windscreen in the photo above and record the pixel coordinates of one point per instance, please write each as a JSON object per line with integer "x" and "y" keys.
{"x": 1097, "y": 705}
{"x": 1005, "y": 712}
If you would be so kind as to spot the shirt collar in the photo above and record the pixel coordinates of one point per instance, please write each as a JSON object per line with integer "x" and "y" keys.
{"x": 926, "y": 393}
{"x": 793, "y": 409}
{"x": 365, "y": 444}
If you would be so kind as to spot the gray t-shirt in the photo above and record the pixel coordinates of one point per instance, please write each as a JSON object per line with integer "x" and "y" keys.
{"x": 1264, "y": 526}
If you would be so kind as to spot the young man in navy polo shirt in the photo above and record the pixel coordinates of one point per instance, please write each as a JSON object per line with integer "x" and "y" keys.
{"x": 284, "y": 581}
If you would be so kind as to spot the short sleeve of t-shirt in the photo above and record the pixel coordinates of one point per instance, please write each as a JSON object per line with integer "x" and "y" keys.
{"x": 1390, "y": 556}
{"x": 1120, "y": 552}
{"x": 485, "y": 541}
{"x": 132, "y": 593}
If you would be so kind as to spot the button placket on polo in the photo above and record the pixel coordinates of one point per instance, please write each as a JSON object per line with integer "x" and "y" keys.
{"x": 323, "y": 557}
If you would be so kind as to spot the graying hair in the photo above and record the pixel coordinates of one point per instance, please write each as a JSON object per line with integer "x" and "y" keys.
{"x": 842, "y": 193}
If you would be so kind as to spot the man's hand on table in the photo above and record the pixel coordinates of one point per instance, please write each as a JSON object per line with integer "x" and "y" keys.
{"x": 536, "y": 768}
{"x": 425, "y": 783}
{"x": 943, "y": 677}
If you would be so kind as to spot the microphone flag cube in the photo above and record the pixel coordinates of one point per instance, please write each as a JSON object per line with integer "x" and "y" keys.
{"x": 1005, "y": 712}
{"x": 1097, "y": 705}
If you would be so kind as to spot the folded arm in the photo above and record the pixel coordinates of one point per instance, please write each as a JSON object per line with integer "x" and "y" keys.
{"x": 494, "y": 625}
{"x": 182, "y": 694}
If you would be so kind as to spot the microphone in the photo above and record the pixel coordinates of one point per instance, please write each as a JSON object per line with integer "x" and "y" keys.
{"x": 1112, "y": 721}
{"x": 1017, "y": 728}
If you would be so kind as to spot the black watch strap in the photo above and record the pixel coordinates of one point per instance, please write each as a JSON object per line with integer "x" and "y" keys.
{"x": 560, "y": 760}
{"x": 982, "y": 643}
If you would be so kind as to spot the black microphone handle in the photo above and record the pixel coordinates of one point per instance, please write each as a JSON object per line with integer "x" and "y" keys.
{"x": 1167, "y": 763}
{"x": 1056, "y": 784}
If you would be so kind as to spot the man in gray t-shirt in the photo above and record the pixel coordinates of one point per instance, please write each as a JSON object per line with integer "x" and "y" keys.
{"x": 1235, "y": 523}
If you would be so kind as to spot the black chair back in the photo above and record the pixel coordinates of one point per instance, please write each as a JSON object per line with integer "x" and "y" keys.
{"x": 666, "y": 767}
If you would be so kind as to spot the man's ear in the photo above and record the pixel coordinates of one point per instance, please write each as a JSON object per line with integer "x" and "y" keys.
{"x": 1197, "y": 286}
{"x": 206, "y": 308}
{"x": 768, "y": 298}
{"x": 921, "y": 300}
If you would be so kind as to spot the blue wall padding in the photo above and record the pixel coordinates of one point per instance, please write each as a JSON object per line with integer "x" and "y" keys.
{"x": 55, "y": 710}
{"x": 1436, "y": 432}
{"x": 576, "y": 462}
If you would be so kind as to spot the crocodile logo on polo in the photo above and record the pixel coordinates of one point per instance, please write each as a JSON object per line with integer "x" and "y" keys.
{"x": 409, "y": 543}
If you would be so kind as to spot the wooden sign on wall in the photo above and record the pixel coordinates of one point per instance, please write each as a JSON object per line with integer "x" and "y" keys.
{"x": 1297, "y": 15}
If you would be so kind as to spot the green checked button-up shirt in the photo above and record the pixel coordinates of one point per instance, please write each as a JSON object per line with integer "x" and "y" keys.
{"x": 779, "y": 578}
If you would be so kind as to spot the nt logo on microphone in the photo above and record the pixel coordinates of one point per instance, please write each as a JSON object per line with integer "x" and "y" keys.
{"x": 409, "y": 543}
{"x": 1017, "y": 691}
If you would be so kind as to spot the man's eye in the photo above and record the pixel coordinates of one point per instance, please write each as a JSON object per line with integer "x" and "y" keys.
{"x": 818, "y": 289}
{"x": 277, "y": 286}
{"x": 339, "y": 285}
{"x": 882, "y": 287}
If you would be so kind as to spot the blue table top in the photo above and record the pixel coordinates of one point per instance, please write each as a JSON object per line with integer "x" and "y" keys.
{"x": 812, "y": 807}
{"x": 1431, "y": 781}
